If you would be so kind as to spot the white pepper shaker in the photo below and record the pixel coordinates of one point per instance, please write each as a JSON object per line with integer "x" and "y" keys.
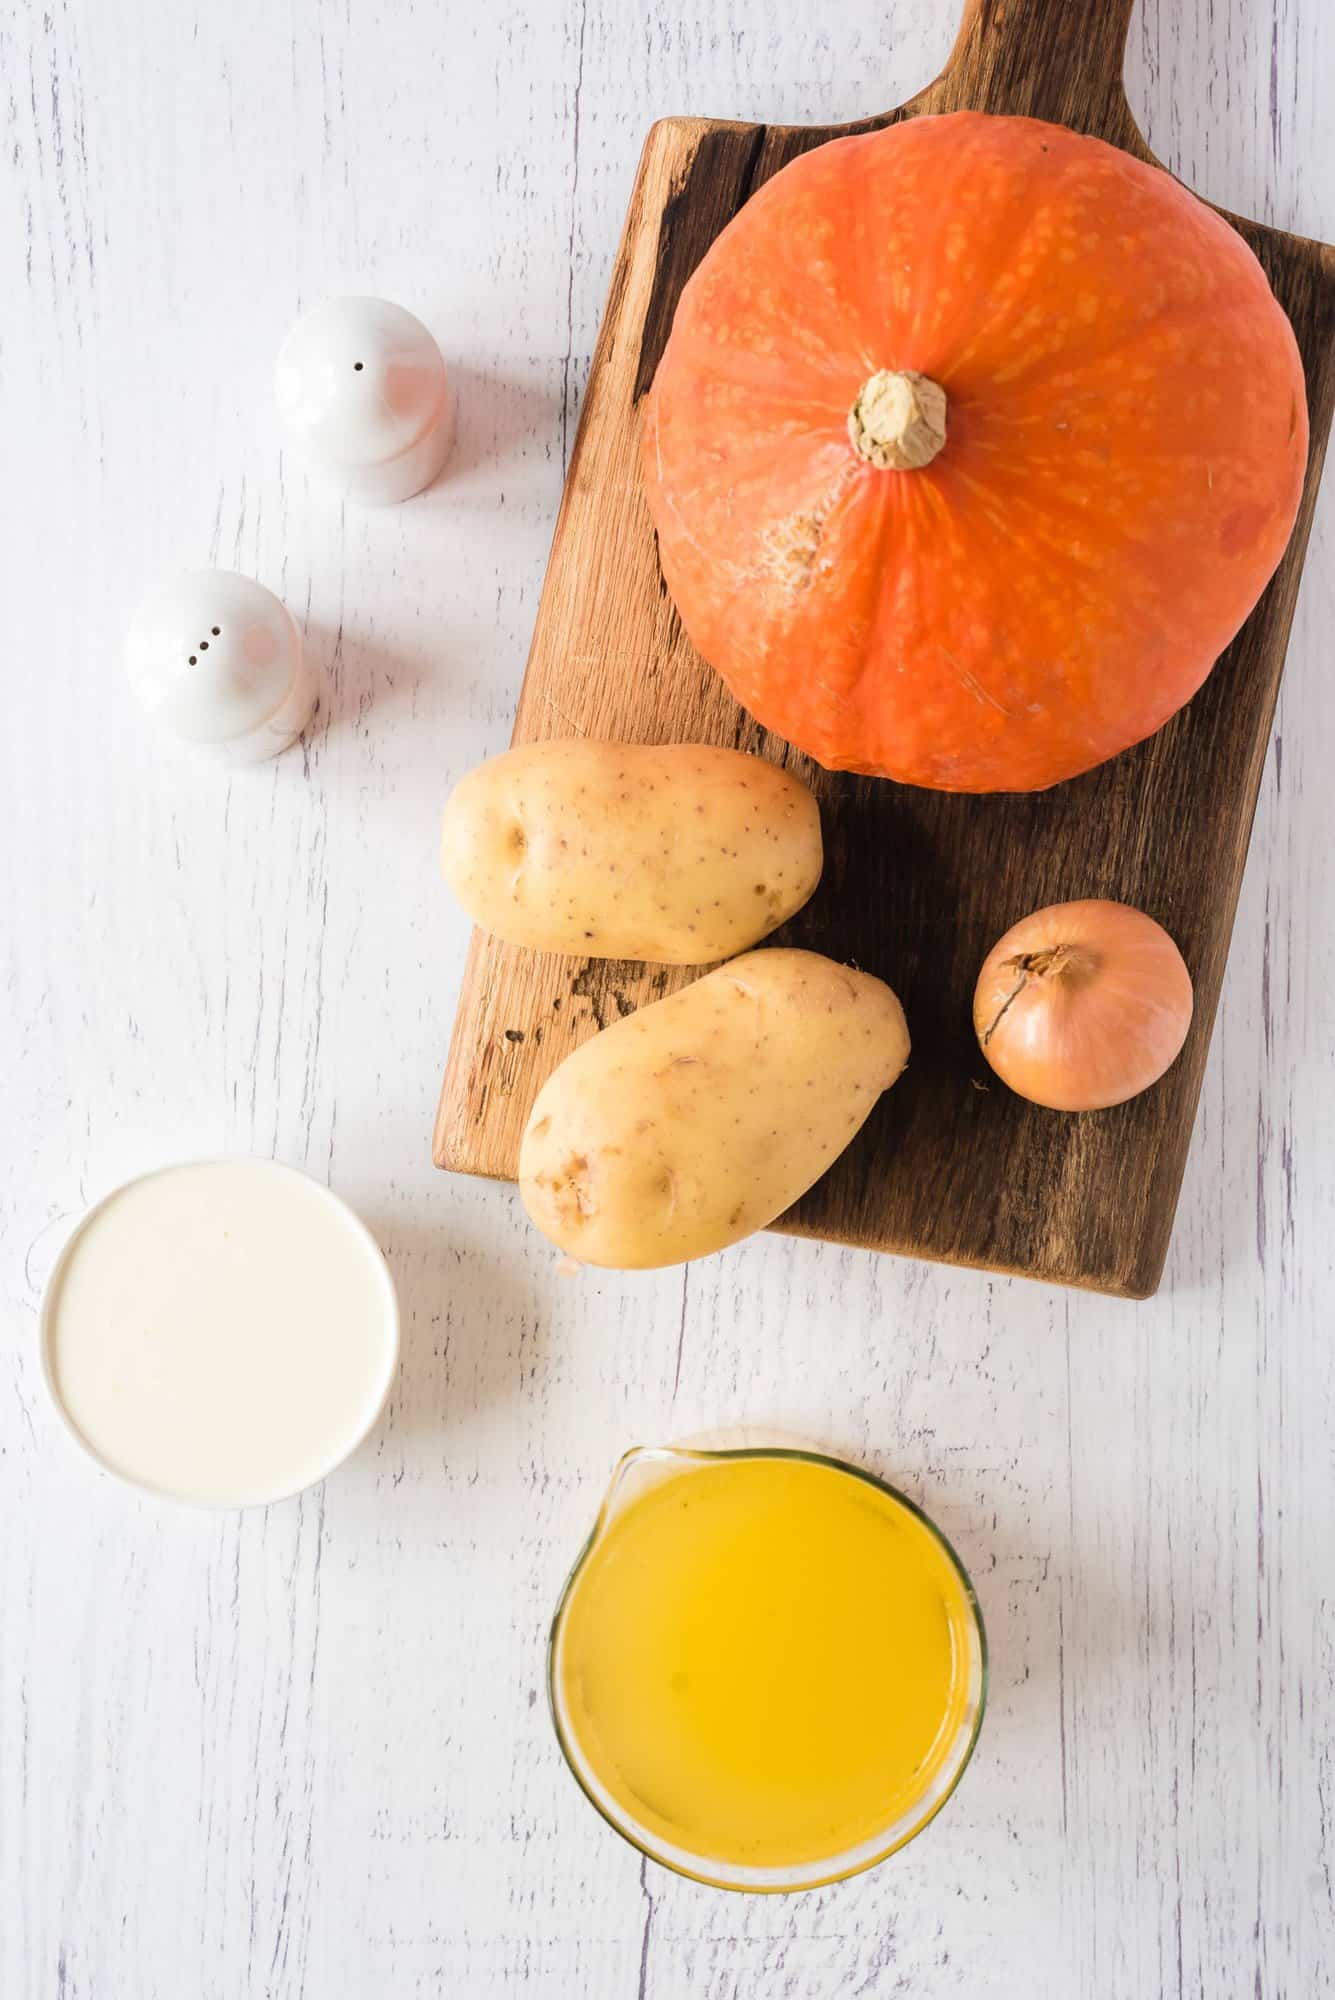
{"x": 364, "y": 399}
{"x": 216, "y": 660}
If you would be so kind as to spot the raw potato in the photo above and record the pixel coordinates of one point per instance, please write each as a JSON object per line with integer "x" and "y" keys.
{"x": 680, "y": 853}
{"x": 687, "y": 1125}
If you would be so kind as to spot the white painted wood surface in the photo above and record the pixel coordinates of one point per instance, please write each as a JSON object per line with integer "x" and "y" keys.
{"x": 305, "y": 1752}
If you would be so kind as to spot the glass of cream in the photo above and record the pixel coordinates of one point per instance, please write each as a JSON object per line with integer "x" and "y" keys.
{"x": 223, "y": 1332}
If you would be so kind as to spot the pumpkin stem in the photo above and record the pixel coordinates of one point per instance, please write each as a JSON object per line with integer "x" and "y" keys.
{"x": 898, "y": 422}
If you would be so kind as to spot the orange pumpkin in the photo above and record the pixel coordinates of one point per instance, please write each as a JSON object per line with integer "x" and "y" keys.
{"x": 973, "y": 444}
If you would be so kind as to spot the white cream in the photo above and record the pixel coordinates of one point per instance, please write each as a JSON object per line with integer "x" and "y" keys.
{"x": 224, "y": 1332}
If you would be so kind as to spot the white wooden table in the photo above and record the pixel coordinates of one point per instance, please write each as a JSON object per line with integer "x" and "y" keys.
{"x": 305, "y": 1751}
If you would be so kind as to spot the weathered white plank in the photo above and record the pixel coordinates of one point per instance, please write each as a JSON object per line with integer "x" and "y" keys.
{"x": 306, "y": 1751}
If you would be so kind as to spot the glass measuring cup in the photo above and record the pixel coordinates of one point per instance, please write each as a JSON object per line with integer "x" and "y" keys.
{"x": 647, "y": 1471}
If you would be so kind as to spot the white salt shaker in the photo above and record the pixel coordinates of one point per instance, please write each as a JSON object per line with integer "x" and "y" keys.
{"x": 216, "y": 660}
{"x": 364, "y": 399}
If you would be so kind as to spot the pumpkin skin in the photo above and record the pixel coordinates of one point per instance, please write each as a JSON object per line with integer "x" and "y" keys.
{"x": 1126, "y": 435}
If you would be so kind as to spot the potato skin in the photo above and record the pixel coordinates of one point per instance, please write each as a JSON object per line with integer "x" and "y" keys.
{"x": 687, "y": 1125}
{"x": 678, "y": 853}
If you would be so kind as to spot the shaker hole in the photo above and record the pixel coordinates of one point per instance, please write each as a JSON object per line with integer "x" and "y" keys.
{"x": 216, "y": 630}
{"x": 203, "y": 645}
{"x": 357, "y": 365}
{"x": 193, "y": 661}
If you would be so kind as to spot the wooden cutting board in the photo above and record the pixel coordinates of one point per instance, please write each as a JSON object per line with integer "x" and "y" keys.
{"x": 917, "y": 884}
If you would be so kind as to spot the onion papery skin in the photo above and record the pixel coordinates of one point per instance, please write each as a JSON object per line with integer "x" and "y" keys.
{"x": 1083, "y": 1005}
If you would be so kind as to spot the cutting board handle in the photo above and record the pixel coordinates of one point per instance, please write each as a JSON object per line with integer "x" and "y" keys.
{"x": 1056, "y": 59}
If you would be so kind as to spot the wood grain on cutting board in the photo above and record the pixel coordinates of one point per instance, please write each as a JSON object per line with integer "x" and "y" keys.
{"x": 918, "y": 884}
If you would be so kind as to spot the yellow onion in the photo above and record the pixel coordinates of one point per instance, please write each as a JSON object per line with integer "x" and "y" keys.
{"x": 1082, "y": 1005}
